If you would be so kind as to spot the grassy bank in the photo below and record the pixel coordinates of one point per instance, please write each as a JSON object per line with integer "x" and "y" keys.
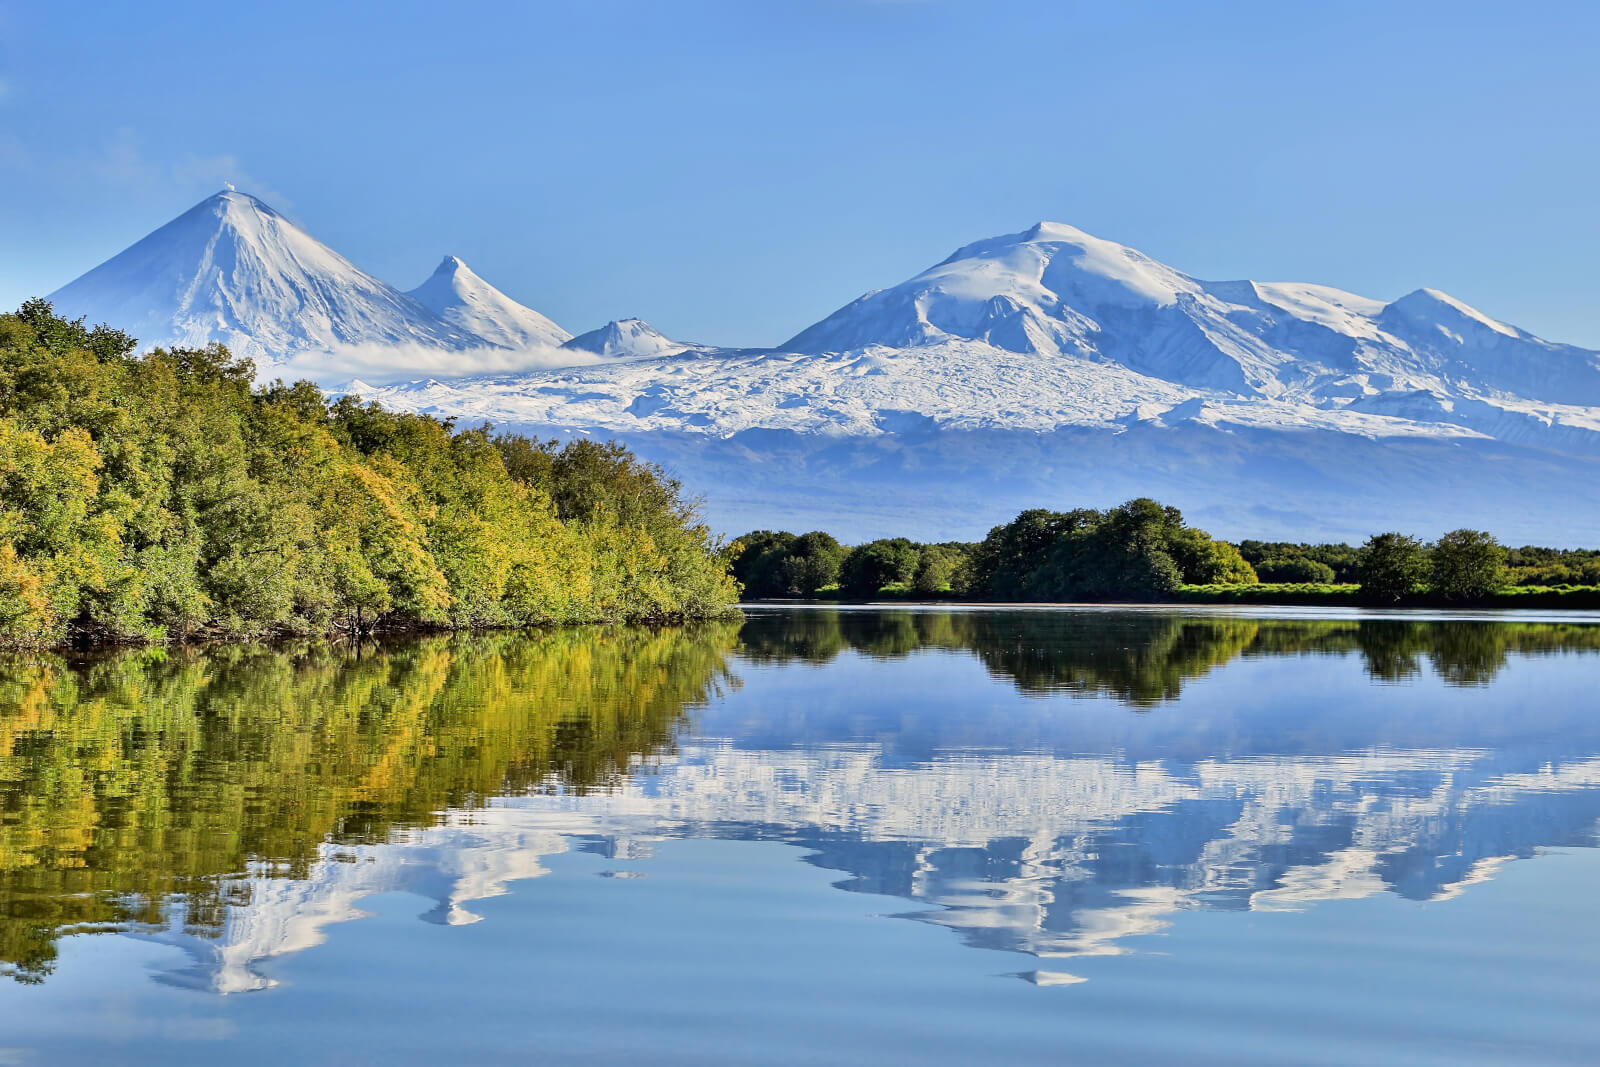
{"x": 1565, "y": 596}
{"x": 1307, "y": 594}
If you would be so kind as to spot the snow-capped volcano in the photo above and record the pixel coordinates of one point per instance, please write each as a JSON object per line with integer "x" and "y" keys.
{"x": 1052, "y": 367}
{"x": 232, "y": 269}
{"x": 1041, "y": 367}
{"x": 466, "y": 301}
{"x": 1056, "y": 291}
{"x": 627, "y": 337}
{"x": 1053, "y": 328}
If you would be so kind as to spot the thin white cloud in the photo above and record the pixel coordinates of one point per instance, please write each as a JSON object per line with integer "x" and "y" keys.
{"x": 378, "y": 364}
{"x": 209, "y": 173}
{"x": 120, "y": 162}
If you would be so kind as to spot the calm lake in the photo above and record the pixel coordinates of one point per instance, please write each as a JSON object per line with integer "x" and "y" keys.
{"x": 816, "y": 836}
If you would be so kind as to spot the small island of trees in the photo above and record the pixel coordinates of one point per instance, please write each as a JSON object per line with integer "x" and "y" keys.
{"x": 1143, "y": 551}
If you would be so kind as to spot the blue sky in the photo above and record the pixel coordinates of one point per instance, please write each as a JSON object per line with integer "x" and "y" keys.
{"x": 734, "y": 171}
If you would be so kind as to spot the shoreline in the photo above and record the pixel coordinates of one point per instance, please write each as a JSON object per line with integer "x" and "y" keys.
{"x": 1347, "y": 611}
{"x": 1575, "y": 598}
{"x": 85, "y": 644}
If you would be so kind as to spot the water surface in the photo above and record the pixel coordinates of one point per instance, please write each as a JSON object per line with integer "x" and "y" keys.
{"x": 819, "y": 836}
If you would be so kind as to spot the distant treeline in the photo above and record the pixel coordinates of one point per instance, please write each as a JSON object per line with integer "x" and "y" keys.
{"x": 163, "y": 496}
{"x": 1144, "y": 551}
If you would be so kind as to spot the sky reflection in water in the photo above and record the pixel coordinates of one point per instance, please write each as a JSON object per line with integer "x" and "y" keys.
{"x": 1053, "y": 787}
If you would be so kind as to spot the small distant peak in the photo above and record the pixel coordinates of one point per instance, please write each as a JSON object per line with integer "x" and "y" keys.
{"x": 1423, "y": 297}
{"x": 451, "y": 264}
{"x": 1426, "y": 298}
{"x": 625, "y": 337}
{"x": 1438, "y": 306}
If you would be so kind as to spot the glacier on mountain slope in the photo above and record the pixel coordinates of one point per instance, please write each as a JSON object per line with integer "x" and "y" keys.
{"x": 461, "y": 298}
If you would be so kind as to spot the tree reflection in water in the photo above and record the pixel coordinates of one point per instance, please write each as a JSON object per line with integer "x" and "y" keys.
{"x": 217, "y": 797}
{"x": 136, "y": 778}
{"x": 1144, "y": 658}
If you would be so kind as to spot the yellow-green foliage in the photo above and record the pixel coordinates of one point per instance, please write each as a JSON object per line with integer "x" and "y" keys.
{"x": 165, "y": 495}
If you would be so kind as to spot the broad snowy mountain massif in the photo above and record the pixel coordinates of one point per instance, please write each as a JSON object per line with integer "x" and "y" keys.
{"x": 1044, "y": 368}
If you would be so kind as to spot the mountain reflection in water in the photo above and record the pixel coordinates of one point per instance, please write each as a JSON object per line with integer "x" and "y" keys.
{"x": 1081, "y": 788}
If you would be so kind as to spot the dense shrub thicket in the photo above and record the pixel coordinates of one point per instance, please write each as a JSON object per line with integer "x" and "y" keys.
{"x": 163, "y": 495}
{"x": 1534, "y": 566}
{"x": 1286, "y": 561}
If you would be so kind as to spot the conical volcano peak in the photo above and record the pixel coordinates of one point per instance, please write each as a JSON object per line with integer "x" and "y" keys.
{"x": 232, "y": 269}
{"x": 458, "y": 295}
{"x": 228, "y": 202}
{"x": 452, "y": 270}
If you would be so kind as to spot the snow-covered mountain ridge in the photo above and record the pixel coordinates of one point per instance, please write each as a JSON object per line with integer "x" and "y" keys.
{"x": 1016, "y": 360}
{"x": 1036, "y": 330}
{"x": 1052, "y": 328}
{"x": 1056, "y": 291}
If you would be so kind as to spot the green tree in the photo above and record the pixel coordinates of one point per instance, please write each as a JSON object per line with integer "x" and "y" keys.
{"x": 933, "y": 571}
{"x": 1002, "y": 564}
{"x": 1280, "y": 558}
{"x": 1467, "y": 565}
{"x": 814, "y": 561}
{"x": 1204, "y": 561}
{"x": 1128, "y": 554}
{"x": 759, "y": 562}
{"x": 869, "y": 568}
{"x": 1392, "y": 567}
